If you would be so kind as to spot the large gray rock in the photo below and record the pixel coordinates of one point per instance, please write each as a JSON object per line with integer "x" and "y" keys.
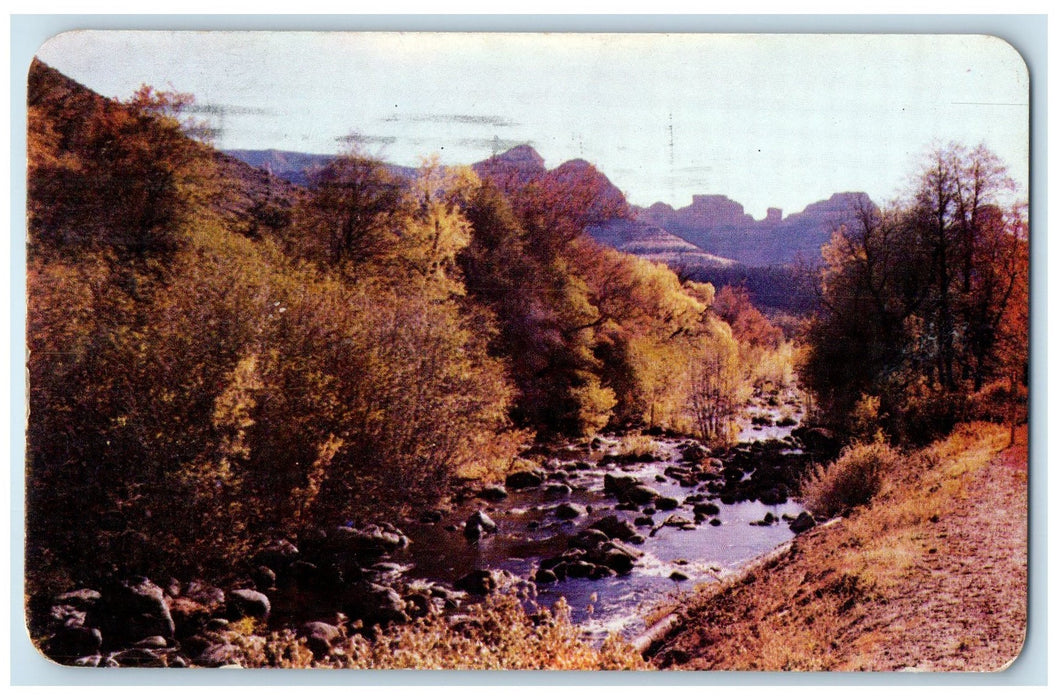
{"x": 494, "y": 492}
{"x": 244, "y": 602}
{"x": 570, "y": 511}
{"x": 217, "y": 655}
{"x": 276, "y": 555}
{"x": 524, "y": 479}
{"x": 320, "y": 637}
{"x": 71, "y": 643}
{"x": 614, "y": 528}
{"x": 374, "y": 604}
{"x": 370, "y": 542}
{"x": 136, "y": 608}
{"x": 802, "y": 523}
{"x": 479, "y": 582}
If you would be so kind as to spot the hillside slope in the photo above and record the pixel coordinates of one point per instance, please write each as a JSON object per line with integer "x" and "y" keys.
{"x": 932, "y": 577}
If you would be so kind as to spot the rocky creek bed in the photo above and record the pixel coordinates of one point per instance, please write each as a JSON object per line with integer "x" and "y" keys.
{"x": 611, "y": 530}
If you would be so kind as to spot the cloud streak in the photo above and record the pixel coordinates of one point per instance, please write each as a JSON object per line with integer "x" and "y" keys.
{"x": 471, "y": 119}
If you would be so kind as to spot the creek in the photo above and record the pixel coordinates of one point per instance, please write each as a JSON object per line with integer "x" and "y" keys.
{"x": 675, "y": 556}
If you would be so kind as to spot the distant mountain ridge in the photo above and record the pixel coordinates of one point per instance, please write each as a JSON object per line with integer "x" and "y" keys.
{"x": 713, "y": 231}
{"x": 721, "y": 226}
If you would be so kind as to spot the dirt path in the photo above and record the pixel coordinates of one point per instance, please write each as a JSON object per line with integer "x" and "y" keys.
{"x": 933, "y": 579}
{"x": 965, "y": 609}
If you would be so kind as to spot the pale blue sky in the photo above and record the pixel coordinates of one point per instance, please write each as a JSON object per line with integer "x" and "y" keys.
{"x": 768, "y": 120}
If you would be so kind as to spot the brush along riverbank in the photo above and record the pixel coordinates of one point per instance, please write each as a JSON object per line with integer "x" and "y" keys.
{"x": 932, "y": 576}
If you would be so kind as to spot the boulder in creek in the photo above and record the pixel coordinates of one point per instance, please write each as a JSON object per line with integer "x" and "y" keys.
{"x": 614, "y": 527}
{"x": 543, "y": 576}
{"x": 493, "y": 493}
{"x": 589, "y": 538}
{"x": 244, "y": 602}
{"x": 370, "y": 542}
{"x": 478, "y": 582}
{"x": 619, "y": 560}
{"x": 639, "y": 494}
{"x": 524, "y": 479}
{"x": 570, "y": 511}
{"x": 666, "y": 503}
{"x": 694, "y": 453}
{"x": 579, "y": 568}
{"x": 431, "y": 517}
{"x": 706, "y": 509}
{"x": 263, "y": 577}
{"x": 618, "y": 484}
{"x": 802, "y": 523}
{"x": 557, "y": 491}
{"x": 479, "y": 522}
{"x": 81, "y": 599}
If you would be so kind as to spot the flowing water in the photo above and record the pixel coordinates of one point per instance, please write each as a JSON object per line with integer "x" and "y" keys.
{"x": 529, "y": 531}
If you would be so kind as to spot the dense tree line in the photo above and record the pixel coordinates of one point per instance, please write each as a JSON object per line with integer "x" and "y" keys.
{"x": 197, "y": 385}
{"x": 924, "y": 318}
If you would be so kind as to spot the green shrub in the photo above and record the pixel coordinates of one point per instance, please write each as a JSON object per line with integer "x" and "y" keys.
{"x": 851, "y": 480}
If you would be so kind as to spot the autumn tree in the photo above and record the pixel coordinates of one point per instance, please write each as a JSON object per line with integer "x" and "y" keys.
{"x": 349, "y": 216}
{"x": 103, "y": 175}
{"x": 912, "y": 298}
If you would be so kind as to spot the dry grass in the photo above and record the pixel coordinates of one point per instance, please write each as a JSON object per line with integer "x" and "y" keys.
{"x": 498, "y": 634}
{"x": 844, "y": 596}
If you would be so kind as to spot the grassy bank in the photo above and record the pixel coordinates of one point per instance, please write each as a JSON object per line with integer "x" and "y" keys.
{"x": 931, "y": 576}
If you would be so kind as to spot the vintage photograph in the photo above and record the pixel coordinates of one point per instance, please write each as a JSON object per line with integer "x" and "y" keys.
{"x": 550, "y": 351}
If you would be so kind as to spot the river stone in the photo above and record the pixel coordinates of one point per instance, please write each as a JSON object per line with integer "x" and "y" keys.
{"x": 666, "y": 503}
{"x": 494, "y": 493}
{"x": 621, "y": 562}
{"x": 557, "y": 491}
{"x": 154, "y": 642}
{"x": 614, "y": 528}
{"x": 263, "y": 577}
{"x": 802, "y": 523}
{"x": 374, "y": 604}
{"x": 137, "y": 609}
{"x": 138, "y": 658}
{"x": 320, "y": 637}
{"x": 617, "y": 485}
{"x": 579, "y": 568}
{"x": 430, "y": 517}
{"x": 216, "y": 655}
{"x": 639, "y": 494}
{"x": 706, "y": 509}
{"x": 81, "y": 599}
{"x": 678, "y": 576}
{"x": 524, "y": 479}
{"x": 479, "y": 581}
{"x": 544, "y": 576}
{"x": 372, "y": 542}
{"x": 244, "y": 602}
{"x": 276, "y": 555}
{"x": 570, "y": 511}
{"x": 71, "y": 643}
{"x": 694, "y": 453}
